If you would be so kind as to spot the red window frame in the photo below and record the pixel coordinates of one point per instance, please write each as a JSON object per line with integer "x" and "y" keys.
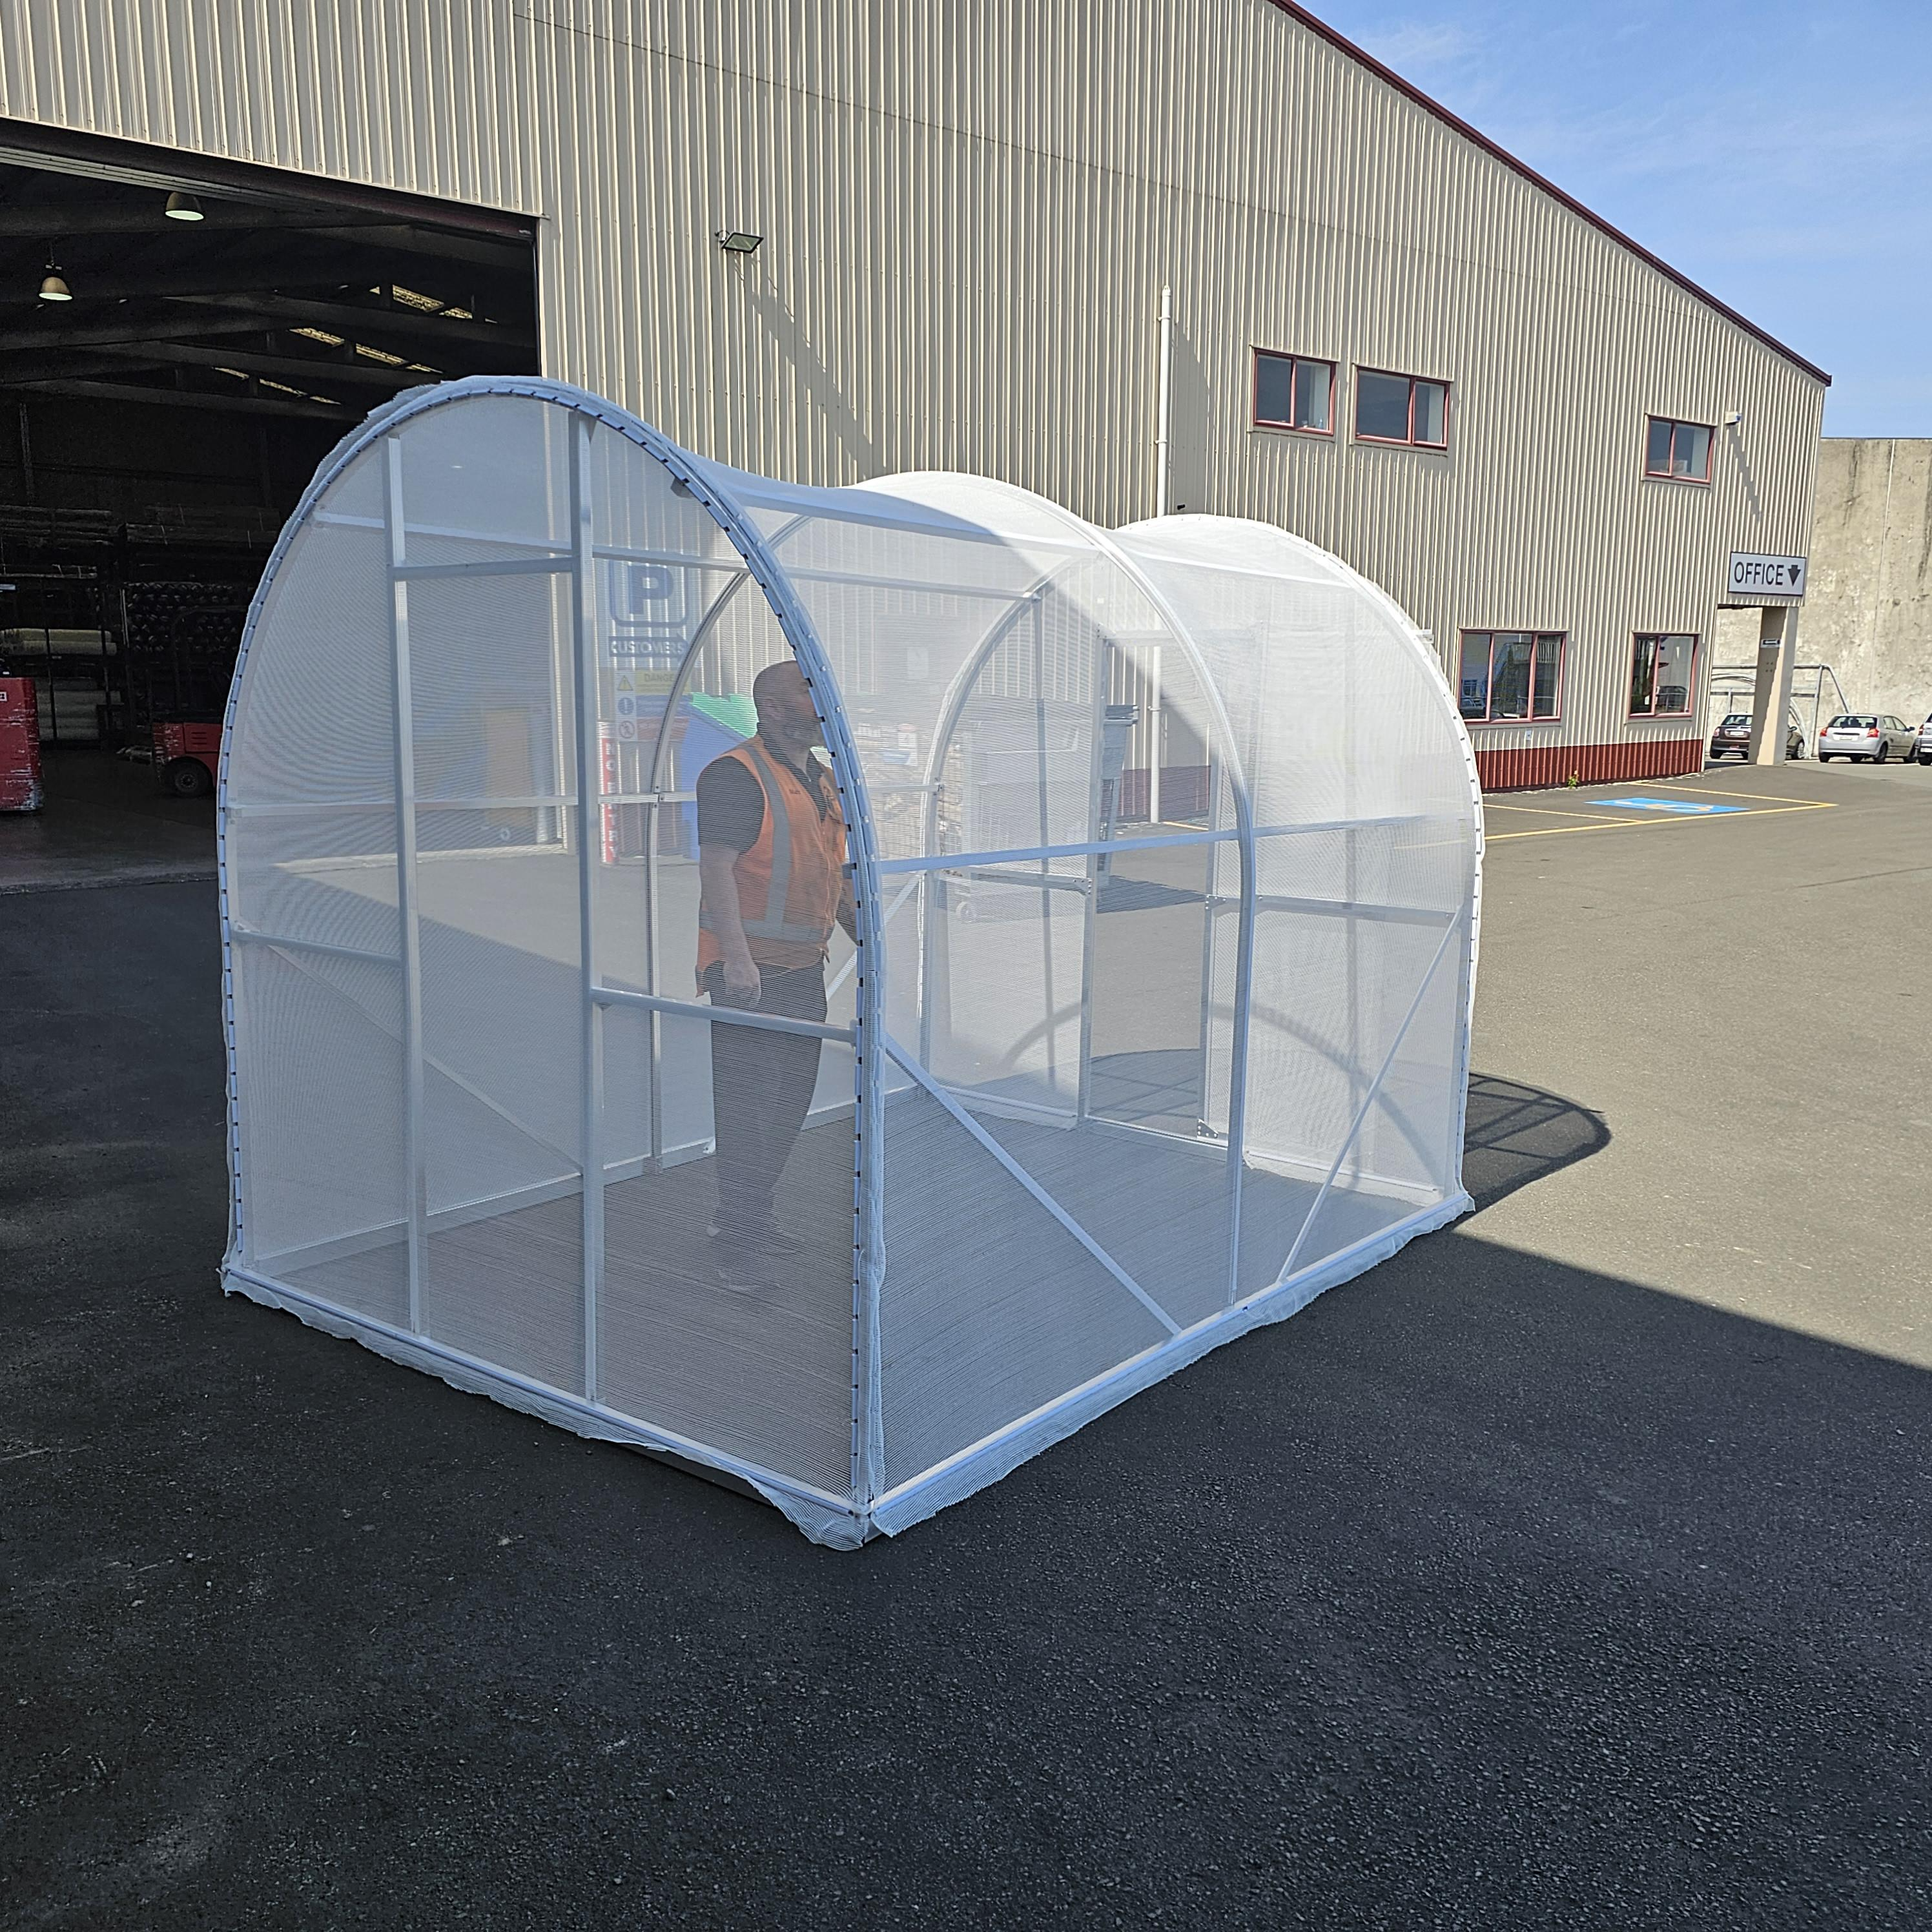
{"x": 1669, "y": 475}
{"x": 1408, "y": 441}
{"x": 1536, "y": 638}
{"x": 1261, "y": 422}
{"x": 1640, "y": 638}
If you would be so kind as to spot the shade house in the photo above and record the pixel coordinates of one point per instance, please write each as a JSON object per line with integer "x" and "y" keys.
{"x": 1163, "y": 846}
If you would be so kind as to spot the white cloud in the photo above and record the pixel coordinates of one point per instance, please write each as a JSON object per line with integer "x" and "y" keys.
{"x": 1420, "y": 46}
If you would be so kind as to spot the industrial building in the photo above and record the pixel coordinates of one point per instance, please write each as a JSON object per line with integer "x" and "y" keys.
{"x": 829, "y": 244}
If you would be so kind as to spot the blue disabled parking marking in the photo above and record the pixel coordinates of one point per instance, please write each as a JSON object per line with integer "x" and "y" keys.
{"x": 1671, "y": 805}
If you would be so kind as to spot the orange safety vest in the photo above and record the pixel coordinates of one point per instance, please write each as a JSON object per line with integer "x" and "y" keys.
{"x": 791, "y": 879}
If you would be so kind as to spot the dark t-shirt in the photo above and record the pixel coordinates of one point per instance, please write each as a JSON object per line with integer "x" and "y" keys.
{"x": 731, "y": 801}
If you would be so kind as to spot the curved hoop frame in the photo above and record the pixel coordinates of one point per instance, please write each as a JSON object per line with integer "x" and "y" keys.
{"x": 865, "y": 1503}
{"x": 868, "y": 1451}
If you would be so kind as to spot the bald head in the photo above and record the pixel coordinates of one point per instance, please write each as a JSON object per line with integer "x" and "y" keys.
{"x": 785, "y": 712}
{"x": 778, "y": 684}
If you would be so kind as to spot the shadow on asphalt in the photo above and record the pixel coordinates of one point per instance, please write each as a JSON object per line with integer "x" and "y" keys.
{"x": 1513, "y": 1135}
{"x": 1487, "y": 1590}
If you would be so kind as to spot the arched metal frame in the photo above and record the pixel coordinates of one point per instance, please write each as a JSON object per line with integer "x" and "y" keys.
{"x": 1456, "y": 731}
{"x": 867, "y": 1505}
{"x": 953, "y": 708}
{"x": 578, "y": 559}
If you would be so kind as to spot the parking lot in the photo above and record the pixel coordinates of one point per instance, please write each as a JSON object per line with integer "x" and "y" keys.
{"x": 1569, "y": 1570}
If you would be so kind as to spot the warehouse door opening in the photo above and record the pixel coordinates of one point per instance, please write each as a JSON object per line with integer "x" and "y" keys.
{"x": 184, "y": 339}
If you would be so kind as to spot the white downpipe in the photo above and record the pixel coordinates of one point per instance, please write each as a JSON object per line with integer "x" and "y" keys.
{"x": 1163, "y": 466}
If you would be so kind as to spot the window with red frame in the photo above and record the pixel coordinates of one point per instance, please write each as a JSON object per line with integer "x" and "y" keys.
{"x": 1401, "y": 409}
{"x": 1677, "y": 449}
{"x": 1294, "y": 392}
{"x": 1514, "y": 675}
{"x": 1664, "y": 666}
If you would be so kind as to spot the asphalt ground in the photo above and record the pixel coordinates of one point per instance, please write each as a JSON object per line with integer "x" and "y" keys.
{"x": 105, "y": 821}
{"x": 1569, "y": 1570}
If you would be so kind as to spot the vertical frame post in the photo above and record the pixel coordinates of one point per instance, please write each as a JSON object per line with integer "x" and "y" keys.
{"x": 1097, "y": 869}
{"x": 1156, "y": 733}
{"x": 1042, "y": 798}
{"x": 1211, "y": 904}
{"x": 654, "y": 1070}
{"x": 584, "y": 692}
{"x": 415, "y": 1152}
{"x": 1238, "y": 1069}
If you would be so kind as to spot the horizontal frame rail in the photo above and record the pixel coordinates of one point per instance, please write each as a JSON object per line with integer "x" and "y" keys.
{"x": 657, "y": 1003}
{"x": 1394, "y": 915}
{"x": 726, "y": 563}
{"x": 960, "y": 861}
{"x": 344, "y": 519}
{"x": 969, "y": 862}
{"x": 879, "y": 511}
{"x": 992, "y": 593}
{"x": 236, "y": 807}
{"x": 1002, "y": 875}
{"x": 487, "y": 566}
{"x": 321, "y": 808}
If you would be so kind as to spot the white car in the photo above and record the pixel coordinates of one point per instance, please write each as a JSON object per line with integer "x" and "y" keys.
{"x": 1873, "y": 736}
{"x": 1925, "y": 742}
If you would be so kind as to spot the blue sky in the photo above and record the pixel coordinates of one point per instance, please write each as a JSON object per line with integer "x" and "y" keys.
{"x": 1779, "y": 154}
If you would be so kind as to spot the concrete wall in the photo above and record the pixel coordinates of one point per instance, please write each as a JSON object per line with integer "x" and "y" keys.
{"x": 1869, "y": 612}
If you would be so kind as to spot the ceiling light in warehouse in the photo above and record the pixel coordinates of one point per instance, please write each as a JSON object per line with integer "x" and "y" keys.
{"x": 182, "y": 207}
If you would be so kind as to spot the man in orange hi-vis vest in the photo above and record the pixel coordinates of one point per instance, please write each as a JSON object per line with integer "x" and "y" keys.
{"x": 771, "y": 865}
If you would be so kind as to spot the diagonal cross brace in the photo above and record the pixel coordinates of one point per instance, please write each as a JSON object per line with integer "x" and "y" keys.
{"x": 1454, "y": 926}
{"x": 925, "y": 1080}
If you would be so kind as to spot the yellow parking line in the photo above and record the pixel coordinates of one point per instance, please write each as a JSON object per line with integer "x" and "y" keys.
{"x": 1639, "y": 824}
{"x": 1775, "y": 798}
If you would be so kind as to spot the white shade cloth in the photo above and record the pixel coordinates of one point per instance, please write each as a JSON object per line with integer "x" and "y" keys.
{"x": 1165, "y": 845}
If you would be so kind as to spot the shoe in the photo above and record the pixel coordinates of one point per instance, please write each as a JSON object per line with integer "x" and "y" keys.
{"x": 740, "y": 1269}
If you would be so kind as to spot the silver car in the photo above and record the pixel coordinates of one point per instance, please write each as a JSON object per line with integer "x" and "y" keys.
{"x": 1872, "y": 736}
{"x": 1925, "y": 742}
{"x": 1733, "y": 734}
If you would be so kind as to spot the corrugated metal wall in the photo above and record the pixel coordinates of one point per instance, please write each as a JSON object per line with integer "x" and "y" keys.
{"x": 969, "y": 215}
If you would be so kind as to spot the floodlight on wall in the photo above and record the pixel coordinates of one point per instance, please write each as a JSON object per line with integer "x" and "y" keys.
{"x": 183, "y": 207}
{"x": 1734, "y": 418}
{"x": 53, "y": 285}
{"x": 737, "y": 241}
